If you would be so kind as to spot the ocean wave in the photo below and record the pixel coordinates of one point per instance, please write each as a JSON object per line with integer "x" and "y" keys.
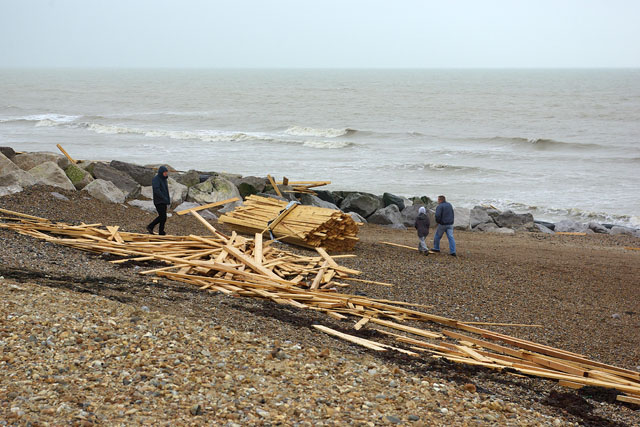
{"x": 542, "y": 143}
{"x": 202, "y": 135}
{"x": 443, "y": 167}
{"x": 324, "y": 133}
{"x": 49, "y": 119}
{"x": 329, "y": 144}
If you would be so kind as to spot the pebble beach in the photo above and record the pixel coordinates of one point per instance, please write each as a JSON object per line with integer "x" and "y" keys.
{"x": 87, "y": 342}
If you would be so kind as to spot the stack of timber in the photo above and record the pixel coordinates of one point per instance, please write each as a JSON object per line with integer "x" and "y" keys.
{"x": 304, "y": 187}
{"x": 306, "y": 226}
{"x": 252, "y": 268}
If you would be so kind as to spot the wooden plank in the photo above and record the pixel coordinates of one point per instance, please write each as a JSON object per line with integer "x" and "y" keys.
{"x": 208, "y": 206}
{"x": 521, "y": 325}
{"x": 570, "y": 384}
{"x": 250, "y": 262}
{"x": 628, "y": 399}
{"x": 257, "y": 248}
{"x": 66, "y": 154}
{"x": 204, "y": 222}
{"x": 405, "y": 328}
{"x": 361, "y": 323}
{"x": 399, "y": 245}
{"x": 274, "y": 185}
{"x": 316, "y": 281}
{"x": 356, "y": 340}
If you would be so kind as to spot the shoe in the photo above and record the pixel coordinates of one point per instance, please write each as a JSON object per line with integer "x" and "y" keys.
{"x": 453, "y": 254}
{"x": 150, "y": 229}
{"x": 435, "y": 250}
{"x": 162, "y": 233}
{"x": 425, "y": 253}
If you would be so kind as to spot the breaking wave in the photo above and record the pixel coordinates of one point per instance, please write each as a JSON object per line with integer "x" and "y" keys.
{"x": 542, "y": 143}
{"x": 329, "y": 144}
{"x": 443, "y": 167}
{"x": 202, "y": 135}
{"x": 324, "y": 133}
{"x": 50, "y": 119}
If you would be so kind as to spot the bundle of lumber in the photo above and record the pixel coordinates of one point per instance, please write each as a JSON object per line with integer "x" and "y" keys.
{"x": 304, "y": 187}
{"x": 252, "y": 268}
{"x": 306, "y": 226}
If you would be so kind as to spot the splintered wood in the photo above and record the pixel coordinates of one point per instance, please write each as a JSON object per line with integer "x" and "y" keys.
{"x": 306, "y": 226}
{"x": 238, "y": 266}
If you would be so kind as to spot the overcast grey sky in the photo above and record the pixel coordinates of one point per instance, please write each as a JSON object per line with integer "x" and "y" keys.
{"x": 319, "y": 33}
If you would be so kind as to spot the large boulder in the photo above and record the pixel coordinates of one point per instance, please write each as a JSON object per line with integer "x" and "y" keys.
{"x": 7, "y": 165}
{"x": 139, "y": 174}
{"x": 10, "y": 189}
{"x": 311, "y": 200}
{"x": 510, "y": 219}
{"x": 544, "y": 229}
{"x": 570, "y": 226}
{"x": 461, "y": 218}
{"x": 27, "y": 161}
{"x": 79, "y": 177}
{"x": 18, "y": 178}
{"x": 424, "y": 201}
{"x": 597, "y": 227}
{"x": 550, "y": 225}
{"x": 248, "y": 185}
{"x": 392, "y": 199}
{"x": 105, "y": 191}
{"x": 357, "y": 218}
{"x": 410, "y": 213}
{"x": 486, "y": 226}
{"x": 49, "y": 173}
{"x": 214, "y": 189}
{"x": 479, "y": 215}
{"x": 177, "y": 192}
{"x": 618, "y": 229}
{"x": 204, "y": 213}
{"x": 7, "y": 152}
{"x": 328, "y": 196}
{"x": 386, "y": 216}
{"x": 188, "y": 178}
{"x": 123, "y": 181}
{"x": 364, "y": 204}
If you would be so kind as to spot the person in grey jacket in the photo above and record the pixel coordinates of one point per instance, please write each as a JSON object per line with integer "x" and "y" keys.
{"x": 444, "y": 218}
{"x": 161, "y": 199}
{"x": 422, "y": 224}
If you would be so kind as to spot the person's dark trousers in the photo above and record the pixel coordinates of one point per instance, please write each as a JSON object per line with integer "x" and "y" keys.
{"x": 161, "y": 219}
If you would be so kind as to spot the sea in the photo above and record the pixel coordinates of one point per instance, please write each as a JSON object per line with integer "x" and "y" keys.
{"x": 556, "y": 143}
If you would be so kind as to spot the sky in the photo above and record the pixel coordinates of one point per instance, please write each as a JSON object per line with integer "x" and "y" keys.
{"x": 320, "y": 33}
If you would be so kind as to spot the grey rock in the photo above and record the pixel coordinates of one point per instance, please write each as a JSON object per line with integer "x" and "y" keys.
{"x": 248, "y": 185}
{"x": 407, "y": 202}
{"x": 393, "y": 419}
{"x": 10, "y": 189}
{"x": 364, "y": 204}
{"x": 79, "y": 177}
{"x": 551, "y": 226}
{"x": 311, "y": 200}
{"x": 386, "y": 216}
{"x": 124, "y": 182}
{"x": 19, "y": 178}
{"x": 597, "y": 228}
{"x": 570, "y": 226}
{"x": 392, "y": 199}
{"x": 205, "y": 213}
{"x": 479, "y": 215}
{"x": 544, "y": 229}
{"x": 328, "y": 196}
{"x": 7, "y": 165}
{"x": 413, "y": 418}
{"x": 105, "y": 191}
{"x": 28, "y": 161}
{"x": 618, "y": 229}
{"x": 616, "y": 316}
{"x": 513, "y": 220}
{"x": 357, "y": 217}
{"x": 396, "y": 226}
{"x": 486, "y": 226}
{"x": 145, "y": 205}
{"x": 140, "y": 174}
{"x": 49, "y": 173}
{"x": 177, "y": 192}
{"x": 461, "y": 219}
{"x": 59, "y": 196}
{"x": 189, "y": 178}
{"x": 7, "y": 152}
{"x": 424, "y": 201}
{"x": 214, "y": 189}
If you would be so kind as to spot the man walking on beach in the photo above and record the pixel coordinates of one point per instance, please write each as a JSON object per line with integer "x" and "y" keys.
{"x": 444, "y": 218}
{"x": 161, "y": 199}
{"x": 422, "y": 224}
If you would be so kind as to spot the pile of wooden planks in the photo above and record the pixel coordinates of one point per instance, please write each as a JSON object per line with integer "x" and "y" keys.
{"x": 306, "y": 226}
{"x": 304, "y": 187}
{"x": 243, "y": 267}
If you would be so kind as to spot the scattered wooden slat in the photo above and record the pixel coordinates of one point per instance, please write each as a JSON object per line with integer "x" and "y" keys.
{"x": 521, "y": 325}
{"x": 66, "y": 154}
{"x": 628, "y": 399}
{"x": 274, "y": 185}
{"x": 207, "y": 206}
{"x": 356, "y": 340}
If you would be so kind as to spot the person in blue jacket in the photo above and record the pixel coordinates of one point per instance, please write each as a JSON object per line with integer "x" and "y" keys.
{"x": 161, "y": 199}
{"x": 444, "y": 218}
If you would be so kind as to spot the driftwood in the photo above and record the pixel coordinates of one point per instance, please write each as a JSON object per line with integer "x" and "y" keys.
{"x": 253, "y": 268}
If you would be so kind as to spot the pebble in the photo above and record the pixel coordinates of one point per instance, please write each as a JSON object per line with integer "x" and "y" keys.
{"x": 393, "y": 419}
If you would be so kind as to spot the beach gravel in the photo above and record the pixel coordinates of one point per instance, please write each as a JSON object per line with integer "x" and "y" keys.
{"x": 84, "y": 341}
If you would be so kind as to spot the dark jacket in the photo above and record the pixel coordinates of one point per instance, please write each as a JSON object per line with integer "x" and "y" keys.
{"x": 161, "y": 188}
{"x": 444, "y": 214}
{"x": 422, "y": 224}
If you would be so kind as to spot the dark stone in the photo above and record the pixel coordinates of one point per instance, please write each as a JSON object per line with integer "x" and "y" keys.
{"x": 246, "y": 189}
{"x": 392, "y": 199}
{"x": 386, "y": 216}
{"x": 364, "y": 204}
{"x": 327, "y": 196}
{"x": 513, "y": 220}
{"x": 189, "y": 178}
{"x": 8, "y": 152}
{"x": 424, "y": 201}
{"x": 204, "y": 177}
{"x": 123, "y": 181}
{"x": 551, "y": 226}
{"x": 140, "y": 174}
